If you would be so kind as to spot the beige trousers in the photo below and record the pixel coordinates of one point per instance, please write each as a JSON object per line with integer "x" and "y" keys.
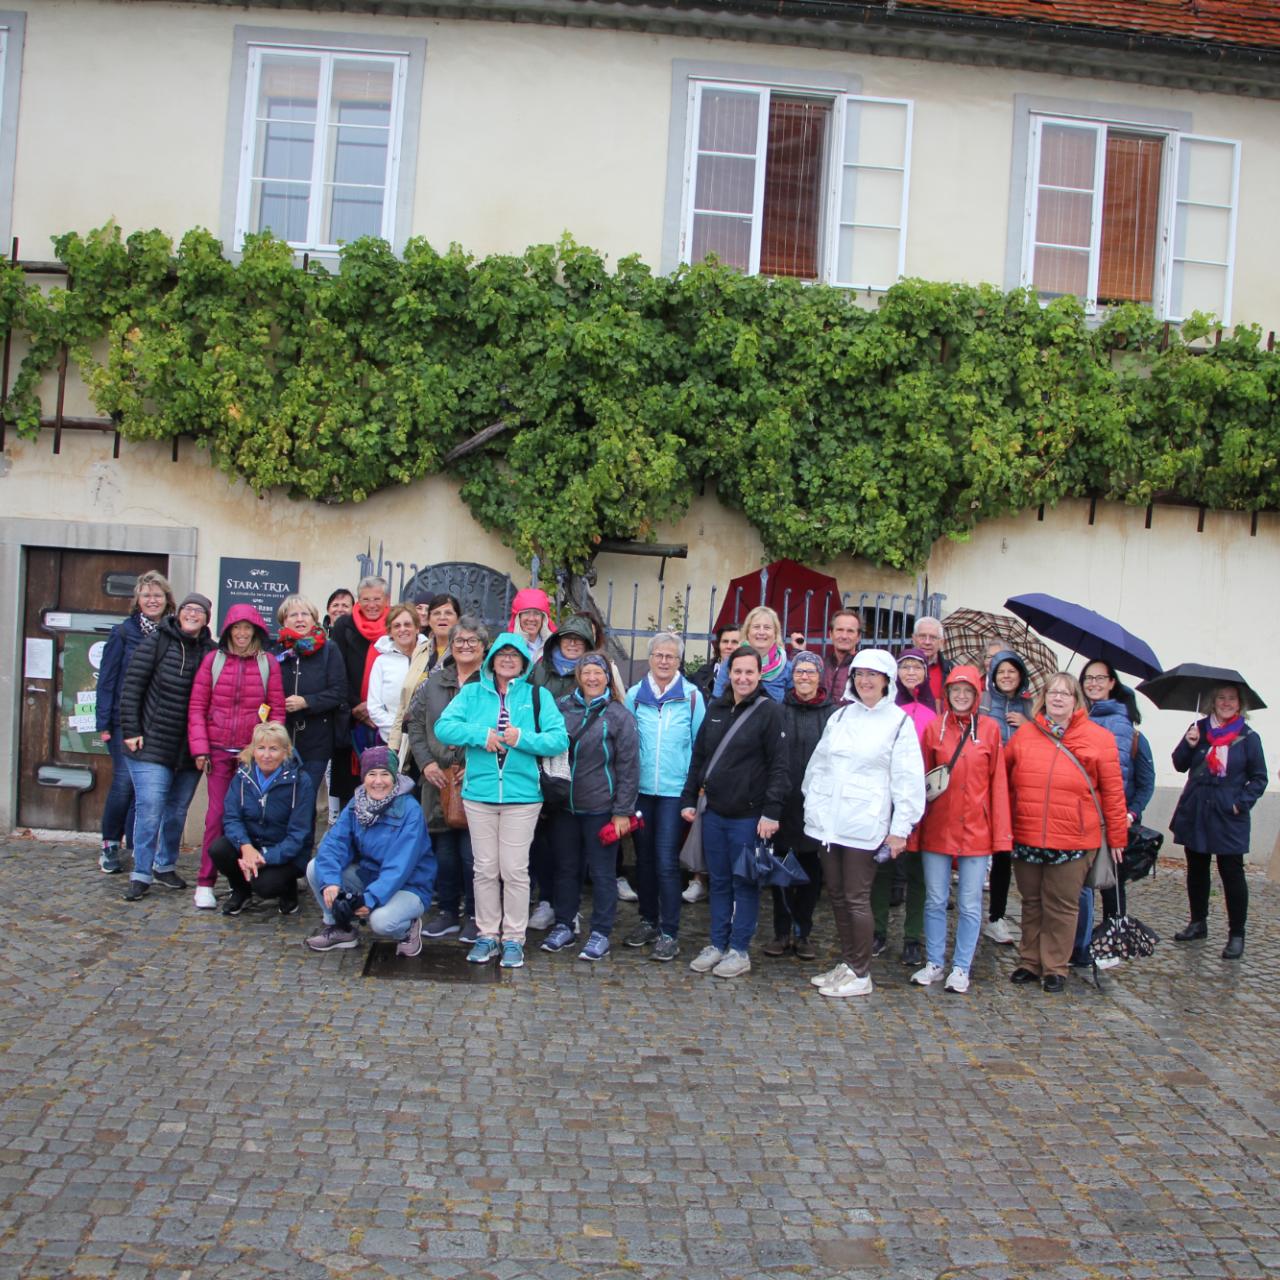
{"x": 500, "y": 838}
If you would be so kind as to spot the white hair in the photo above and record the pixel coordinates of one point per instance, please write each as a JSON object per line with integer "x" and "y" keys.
{"x": 373, "y": 581}
{"x": 667, "y": 638}
{"x": 920, "y": 622}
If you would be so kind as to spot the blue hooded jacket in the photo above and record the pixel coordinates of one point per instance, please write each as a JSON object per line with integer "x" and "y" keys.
{"x": 668, "y": 726}
{"x": 511, "y": 776}
{"x": 998, "y": 705}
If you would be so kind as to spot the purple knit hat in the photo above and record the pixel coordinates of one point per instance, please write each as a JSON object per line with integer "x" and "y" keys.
{"x": 378, "y": 757}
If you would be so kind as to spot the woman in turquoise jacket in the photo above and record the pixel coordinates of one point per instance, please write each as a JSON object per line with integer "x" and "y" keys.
{"x": 495, "y": 719}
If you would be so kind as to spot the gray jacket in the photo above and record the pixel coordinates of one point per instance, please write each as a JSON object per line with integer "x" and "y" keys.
{"x": 425, "y": 707}
{"x": 605, "y": 763}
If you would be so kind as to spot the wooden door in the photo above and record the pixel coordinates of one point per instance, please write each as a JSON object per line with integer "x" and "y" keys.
{"x": 72, "y": 600}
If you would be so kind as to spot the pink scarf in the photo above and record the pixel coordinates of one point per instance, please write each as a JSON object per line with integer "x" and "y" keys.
{"x": 1221, "y": 736}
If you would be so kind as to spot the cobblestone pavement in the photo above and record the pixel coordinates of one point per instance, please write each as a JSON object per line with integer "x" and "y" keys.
{"x": 184, "y": 1095}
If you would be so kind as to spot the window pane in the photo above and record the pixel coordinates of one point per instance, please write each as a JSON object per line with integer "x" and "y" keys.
{"x": 728, "y": 238}
{"x": 875, "y": 133}
{"x": 1060, "y": 271}
{"x": 354, "y": 212}
{"x": 360, "y": 155}
{"x": 730, "y": 121}
{"x": 875, "y": 193}
{"x": 794, "y": 164}
{"x": 1198, "y": 288}
{"x": 1205, "y": 170}
{"x": 1064, "y": 217}
{"x": 867, "y": 257}
{"x": 726, "y": 184}
{"x": 1130, "y": 217}
{"x": 1067, "y": 156}
{"x": 1203, "y": 233}
{"x": 281, "y": 208}
{"x": 288, "y": 87}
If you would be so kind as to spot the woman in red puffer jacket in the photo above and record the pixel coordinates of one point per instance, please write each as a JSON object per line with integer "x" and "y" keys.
{"x": 237, "y": 687}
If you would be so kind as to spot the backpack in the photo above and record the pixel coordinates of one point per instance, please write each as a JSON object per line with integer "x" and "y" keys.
{"x": 220, "y": 661}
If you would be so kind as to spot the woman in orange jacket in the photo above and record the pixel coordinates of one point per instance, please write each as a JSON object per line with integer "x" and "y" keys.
{"x": 1059, "y": 806}
{"x": 969, "y": 821}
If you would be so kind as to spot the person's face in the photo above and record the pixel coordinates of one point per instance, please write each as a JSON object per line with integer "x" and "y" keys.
{"x": 372, "y": 601}
{"x": 241, "y": 635}
{"x": 420, "y": 608}
{"x": 593, "y": 680}
{"x": 1059, "y": 703}
{"x": 962, "y": 696}
{"x": 531, "y": 621}
{"x": 270, "y": 754}
{"x": 465, "y": 649}
{"x": 845, "y": 634}
{"x": 572, "y": 646}
{"x": 761, "y": 636}
{"x": 1226, "y": 702}
{"x": 806, "y": 678}
{"x": 730, "y": 641}
{"x": 339, "y": 606}
{"x": 869, "y": 685}
{"x": 744, "y": 676}
{"x": 664, "y": 661}
{"x": 441, "y": 619}
{"x": 151, "y": 602}
{"x": 378, "y": 783}
{"x": 299, "y": 619}
{"x": 507, "y": 664}
{"x": 1008, "y": 678}
{"x": 911, "y": 671}
{"x": 928, "y": 639}
{"x": 404, "y": 631}
{"x": 191, "y": 618}
{"x": 1096, "y": 682}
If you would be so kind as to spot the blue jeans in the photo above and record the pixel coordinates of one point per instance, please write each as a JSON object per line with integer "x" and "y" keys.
{"x": 575, "y": 841}
{"x": 1084, "y": 927}
{"x": 937, "y": 888}
{"x": 657, "y": 848}
{"x": 117, "y": 812}
{"x": 734, "y": 902}
{"x": 162, "y": 797}
{"x": 455, "y": 870}
{"x": 391, "y": 920}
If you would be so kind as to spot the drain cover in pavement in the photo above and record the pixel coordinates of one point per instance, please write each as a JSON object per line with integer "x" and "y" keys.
{"x": 446, "y": 963}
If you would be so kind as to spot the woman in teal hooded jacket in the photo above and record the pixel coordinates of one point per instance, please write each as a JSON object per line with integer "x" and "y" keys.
{"x": 495, "y": 719}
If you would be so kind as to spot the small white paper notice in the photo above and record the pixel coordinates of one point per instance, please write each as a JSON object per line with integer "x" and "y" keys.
{"x": 38, "y": 664}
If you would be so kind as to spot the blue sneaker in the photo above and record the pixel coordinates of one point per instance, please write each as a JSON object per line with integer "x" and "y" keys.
{"x": 559, "y": 938}
{"x": 596, "y": 949}
{"x": 484, "y": 950}
{"x": 512, "y": 955}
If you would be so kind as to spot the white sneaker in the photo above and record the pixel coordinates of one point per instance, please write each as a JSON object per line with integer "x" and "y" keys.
{"x": 957, "y": 981}
{"x": 841, "y": 970}
{"x": 706, "y": 959}
{"x": 930, "y": 974}
{"x": 734, "y": 965}
{"x": 205, "y": 901}
{"x": 1108, "y": 962}
{"x": 695, "y": 891}
{"x": 543, "y": 916}
{"x": 999, "y": 932}
{"x": 625, "y": 892}
{"x": 847, "y": 986}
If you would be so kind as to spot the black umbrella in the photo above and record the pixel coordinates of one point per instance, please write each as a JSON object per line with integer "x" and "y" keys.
{"x": 1182, "y": 688}
{"x": 1085, "y": 632}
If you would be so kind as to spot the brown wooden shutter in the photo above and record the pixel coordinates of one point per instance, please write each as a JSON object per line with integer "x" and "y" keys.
{"x": 1130, "y": 218}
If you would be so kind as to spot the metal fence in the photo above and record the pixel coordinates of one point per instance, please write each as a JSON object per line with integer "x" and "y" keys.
{"x": 634, "y": 612}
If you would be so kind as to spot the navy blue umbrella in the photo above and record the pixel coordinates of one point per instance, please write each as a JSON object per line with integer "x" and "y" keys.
{"x": 1085, "y": 632}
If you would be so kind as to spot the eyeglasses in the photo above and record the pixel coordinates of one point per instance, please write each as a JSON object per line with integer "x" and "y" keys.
{"x": 1059, "y": 693}
{"x": 1096, "y": 680}
{"x": 465, "y": 642}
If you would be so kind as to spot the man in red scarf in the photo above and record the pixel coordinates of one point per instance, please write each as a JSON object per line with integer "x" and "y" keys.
{"x": 354, "y": 635}
{"x": 928, "y": 636}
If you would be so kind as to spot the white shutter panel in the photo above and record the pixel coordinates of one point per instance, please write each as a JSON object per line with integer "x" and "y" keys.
{"x": 1202, "y": 255}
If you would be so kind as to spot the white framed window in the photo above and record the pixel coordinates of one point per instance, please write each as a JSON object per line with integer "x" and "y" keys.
{"x": 784, "y": 180}
{"x": 1119, "y": 212}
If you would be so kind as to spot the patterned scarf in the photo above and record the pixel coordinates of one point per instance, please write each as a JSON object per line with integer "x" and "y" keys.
{"x": 149, "y": 628}
{"x": 368, "y": 810}
{"x": 774, "y": 663}
{"x": 1221, "y": 736}
{"x": 302, "y": 645}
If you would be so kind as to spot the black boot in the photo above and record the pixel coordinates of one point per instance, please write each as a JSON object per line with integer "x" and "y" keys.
{"x": 1195, "y": 930}
{"x": 1234, "y": 948}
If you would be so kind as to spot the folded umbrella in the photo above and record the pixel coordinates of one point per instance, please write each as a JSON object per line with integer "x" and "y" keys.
{"x": 1123, "y": 937}
{"x": 1183, "y": 688}
{"x": 1085, "y": 632}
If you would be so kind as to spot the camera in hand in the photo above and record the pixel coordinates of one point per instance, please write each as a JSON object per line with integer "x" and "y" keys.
{"x": 344, "y": 909}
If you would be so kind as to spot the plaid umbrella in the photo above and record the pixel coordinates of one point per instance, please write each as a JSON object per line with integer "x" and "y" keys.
{"x": 969, "y": 631}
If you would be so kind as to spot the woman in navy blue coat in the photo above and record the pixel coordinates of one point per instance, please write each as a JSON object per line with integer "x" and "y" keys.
{"x": 1227, "y": 773}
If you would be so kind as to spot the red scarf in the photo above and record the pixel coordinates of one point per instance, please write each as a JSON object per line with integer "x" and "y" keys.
{"x": 309, "y": 642}
{"x": 1222, "y": 736}
{"x": 370, "y": 630}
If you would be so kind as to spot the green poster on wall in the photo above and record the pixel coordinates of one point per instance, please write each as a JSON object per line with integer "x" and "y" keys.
{"x": 78, "y": 693}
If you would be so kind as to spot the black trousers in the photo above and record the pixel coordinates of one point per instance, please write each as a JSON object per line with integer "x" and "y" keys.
{"x": 1001, "y": 876}
{"x": 793, "y": 907}
{"x": 270, "y": 882}
{"x": 1234, "y": 887}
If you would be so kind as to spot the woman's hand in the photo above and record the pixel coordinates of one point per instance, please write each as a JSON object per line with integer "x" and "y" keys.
{"x": 330, "y": 895}
{"x": 434, "y": 774}
{"x": 1015, "y": 718}
{"x": 133, "y": 744}
{"x": 202, "y": 763}
{"x": 362, "y": 912}
{"x": 1193, "y": 736}
{"x": 105, "y": 735}
{"x": 295, "y": 702}
{"x": 511, "y": 735}
{"x": 896, "y": 844}
{"x": 621, "y": 826}
{"x": 689, "y": 814}
{"x": 250, "y": 861}
{"x": 1117, "y": 856}
{"x": 767, "y": 828}
{"x": 493, "y": 743}
{"x": 361, "y": 712}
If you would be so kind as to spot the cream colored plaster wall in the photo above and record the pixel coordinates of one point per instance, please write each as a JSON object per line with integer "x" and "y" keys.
{"x": 529, "y": 131}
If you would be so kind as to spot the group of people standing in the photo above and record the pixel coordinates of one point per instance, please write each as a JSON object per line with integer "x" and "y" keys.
{"x": 476, "y": 782}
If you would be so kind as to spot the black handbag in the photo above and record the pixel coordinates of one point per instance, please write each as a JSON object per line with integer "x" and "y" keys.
{"x": 1141, "y": 853}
